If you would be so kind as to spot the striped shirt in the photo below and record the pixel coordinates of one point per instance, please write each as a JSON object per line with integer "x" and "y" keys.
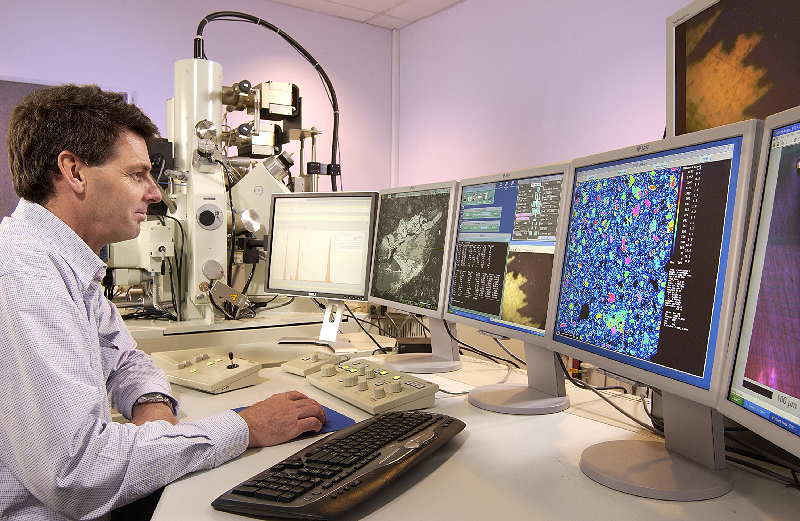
{"x": 65, "y": 356}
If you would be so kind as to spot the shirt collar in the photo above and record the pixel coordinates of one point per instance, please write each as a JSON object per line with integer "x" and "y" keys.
{"x": 63, "y": 240}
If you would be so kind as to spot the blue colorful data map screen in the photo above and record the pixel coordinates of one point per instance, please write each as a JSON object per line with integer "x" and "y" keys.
{"x": 641, "y": 281}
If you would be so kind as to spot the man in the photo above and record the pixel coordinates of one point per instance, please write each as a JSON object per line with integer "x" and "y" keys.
{"x": 79, "y": 162}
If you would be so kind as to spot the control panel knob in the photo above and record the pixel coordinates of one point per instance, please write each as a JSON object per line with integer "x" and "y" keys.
{"x": 361, "y": 371}
{"x": 395, "y": 387}
{"x": 212, "y": 269}
{"x": 350, "y": 380}
{"x": 205, "y": 130}
{"x": 206, "y": 218}
{"x": 379, "y": 392}
{"x": 209, "y": 216}
{"x": 328, "y": 370}
{"x": 244, "y": 129}
{"x": 313, "y": 358}
{"x": 243, "y": 86}
{"x": 205, "y": 147}
{"x": 370, "y": 373}
{"x": 362, "y": 385}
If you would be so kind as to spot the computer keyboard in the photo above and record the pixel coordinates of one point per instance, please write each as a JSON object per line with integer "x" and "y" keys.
{"x": 373, "y": 387}
{"x": 334, "y": 474}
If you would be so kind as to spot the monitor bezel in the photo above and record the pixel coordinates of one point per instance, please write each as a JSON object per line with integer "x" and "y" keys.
{"x": 362, "y": 296}
{"x": 750, "y": 131}
{"x": 761, "y": 426}
{"x": 449, "y": 235}
{"x": 544, "y": 340}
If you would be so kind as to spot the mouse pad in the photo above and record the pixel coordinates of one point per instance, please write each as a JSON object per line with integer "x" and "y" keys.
{"x": 336, "y": 421}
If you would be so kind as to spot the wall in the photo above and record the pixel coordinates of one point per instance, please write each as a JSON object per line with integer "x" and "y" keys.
{"x": 489, "y": 86}
{"x": 133, "y": 46}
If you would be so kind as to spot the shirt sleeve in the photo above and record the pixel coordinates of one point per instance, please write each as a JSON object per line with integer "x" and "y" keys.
{"x": 56, "y": 434}
{"x": 129, "y": 373}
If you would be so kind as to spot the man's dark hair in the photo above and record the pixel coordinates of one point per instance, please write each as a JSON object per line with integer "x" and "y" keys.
{"x": 82, "y": 119}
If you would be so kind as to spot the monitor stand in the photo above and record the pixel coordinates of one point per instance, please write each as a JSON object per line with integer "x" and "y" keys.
{"x": 328, "y": 331}
{"x": 688, "y": 466}
{"x": 544, "y": 394}
{"x": 444, "y": 353}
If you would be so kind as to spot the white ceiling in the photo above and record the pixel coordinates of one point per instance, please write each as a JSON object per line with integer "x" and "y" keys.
{"x": 391, "y": 14}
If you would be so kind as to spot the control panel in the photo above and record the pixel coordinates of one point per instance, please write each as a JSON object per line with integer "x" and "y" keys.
{"x": 305, "y": 365}
{"x": 207, "y": 371}
{"x": 374, "y": 388}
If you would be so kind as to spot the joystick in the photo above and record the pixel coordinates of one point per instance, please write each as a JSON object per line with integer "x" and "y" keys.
{"x": 232, "y": 365}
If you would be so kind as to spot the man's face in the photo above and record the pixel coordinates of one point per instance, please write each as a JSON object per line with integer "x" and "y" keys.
{"x": 118, "y": 193}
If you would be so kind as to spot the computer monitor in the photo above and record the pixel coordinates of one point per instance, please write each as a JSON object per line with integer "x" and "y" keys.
{"x": 413, "y": 237}
{"x": 648, "y": 278}
{"x": 729, "y": 61}
{"x": 762, "y": 371}
{"x": 501, "y": 277}
{"x": 320, "y": 245}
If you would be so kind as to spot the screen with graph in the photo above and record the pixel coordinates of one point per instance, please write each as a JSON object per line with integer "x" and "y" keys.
{"x": 320, "y": 244}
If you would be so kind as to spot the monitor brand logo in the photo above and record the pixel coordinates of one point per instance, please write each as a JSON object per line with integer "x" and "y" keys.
{"x": 643, "y": 148}
{"x": 506, "y": 176}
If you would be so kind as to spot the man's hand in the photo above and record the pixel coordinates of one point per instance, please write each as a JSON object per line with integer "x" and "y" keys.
{"x": 282, "y": 417}
{"x": 148, "y": 412}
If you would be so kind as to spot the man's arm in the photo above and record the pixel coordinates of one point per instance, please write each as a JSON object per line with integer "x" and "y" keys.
{"x": 282, "y": 417}
{"x": 153, "y": 407}
{"x": 55, "y": 403}
{"x": 150, "y": 412}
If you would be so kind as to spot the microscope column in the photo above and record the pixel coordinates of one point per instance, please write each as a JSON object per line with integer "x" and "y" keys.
{"x": 198, "y": 90}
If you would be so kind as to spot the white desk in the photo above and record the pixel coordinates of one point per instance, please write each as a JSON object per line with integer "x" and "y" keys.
{"x": 500, "y": 467}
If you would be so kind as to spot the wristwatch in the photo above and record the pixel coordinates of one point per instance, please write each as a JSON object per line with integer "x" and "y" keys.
{"x": 154, "y": 398}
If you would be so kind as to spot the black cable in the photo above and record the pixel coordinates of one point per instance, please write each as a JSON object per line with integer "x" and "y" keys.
{"x": 583, "y": 385}
{"x": 769, "y": 457}
{"x": 421, "y": 323}
{"x": 218, "y": 308}
{"x": 790, "y": 482}
{"x": 383, "y": 350}
{"x": 172, "y": 289}
{"x": 380, "y": 329}
{"x": 150, "y": 314}
{"x": 199, "y": 52}
{"x": 179, "y": 261}
{"x": 389, "y": 317}
{"x": 249, "y": 280}
{"x": 282, "y": 304}
{"x": 493, "y": 358}
{"x": 747, "y": 454}
{"x": 233, "y": 217}
{"x": 259, "y": 305}
{"x": 504, "y": 348}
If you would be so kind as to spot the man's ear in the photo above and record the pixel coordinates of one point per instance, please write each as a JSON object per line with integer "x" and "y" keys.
{"x": 72, "y": 171}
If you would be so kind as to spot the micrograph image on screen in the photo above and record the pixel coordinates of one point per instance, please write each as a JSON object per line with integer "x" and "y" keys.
{"x": 774, "y": 359}
{"x": 410, "y": 245}
{"x": 526, "y": 288}
{"x": 622, "y": 233}
{"x": 733, "y": 62}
